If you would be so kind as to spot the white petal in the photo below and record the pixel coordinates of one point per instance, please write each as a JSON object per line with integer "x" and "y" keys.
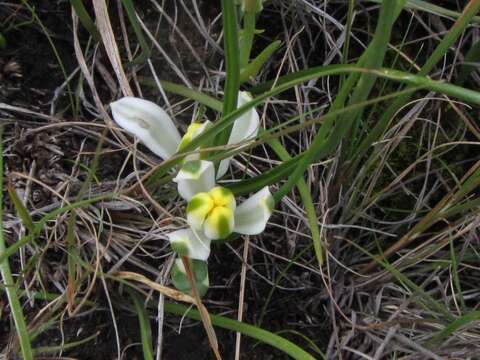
{"x": 244, "y": 128}
{"x": 219, "y": 223}
{"x": 149, "y": 123}
{"x": 189, "y": 243}
{"x": 223, "y": 167}
{"x": 198, "y": 209}
{"x": 195, "y": 177}
{"x": 251, "y": 216}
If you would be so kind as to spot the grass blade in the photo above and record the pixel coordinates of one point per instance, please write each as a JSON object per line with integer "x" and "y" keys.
{"x": 436, "y": 56}
{"x": 145, "y": 328}
{"x": 470, "y": 63}
{"x": 10, "y": 287}
{"x": 22, "y": 212}
{"x": 455, "y": 325}
{"x": 432, "y": 9}
{"x": 132, "y": 17}
{"x": 232, "y": 77}
{"x": 12, "y": 249}
{"x": 85, "y": 18}
{"x": 178, "y": 89}
{"x": 306, "y": 200}
{"x": 249, "y": 330}
{"x": 252, "y": 69}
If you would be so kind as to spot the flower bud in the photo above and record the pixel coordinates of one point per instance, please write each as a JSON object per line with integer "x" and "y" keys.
{"x": 200, "y": 273}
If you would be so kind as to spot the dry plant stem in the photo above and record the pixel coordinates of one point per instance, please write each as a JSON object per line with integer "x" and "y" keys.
{"x": 207, "y": 323}
{"x": 171, "y": 293}
{"x": 108, "y": 38}
{"x": 242, "y": 295}
{"x": 72, "y": 275}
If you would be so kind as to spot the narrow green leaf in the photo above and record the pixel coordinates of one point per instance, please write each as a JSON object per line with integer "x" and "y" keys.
{"x": 22, "y": 211}
{"x": 470, "y": 63}
{"x": 462, "y": 321}
{"x": 252, "y": 69}
{"x": 232, "y": 77}
{"x": 65, "y": 346}
{"x": 85, "y": 18}
{"x": 10, "y": 287}
{"x": 246, "y": 37}
{"x": 144, "y": 324}
{"x": 178, "y": 89}
{"x": 306, "y": 200}
{"x": 132, "y": 17}
{"x": 434, "y": 58}
{"x": 254, "y": 332}
{"x": 431, "y": 8}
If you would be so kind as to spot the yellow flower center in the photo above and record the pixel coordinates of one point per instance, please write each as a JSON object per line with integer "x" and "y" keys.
{"x": 213, "y": 212}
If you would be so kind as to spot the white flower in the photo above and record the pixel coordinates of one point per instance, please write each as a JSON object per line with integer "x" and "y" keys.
{"x": 156, "y": 130}
{"x": 213, "y": 209}
{"x": 252, "y": 215}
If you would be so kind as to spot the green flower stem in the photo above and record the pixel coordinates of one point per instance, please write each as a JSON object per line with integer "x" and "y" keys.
{"x": 248, "y": 33}
{"x": 232, "y": 78}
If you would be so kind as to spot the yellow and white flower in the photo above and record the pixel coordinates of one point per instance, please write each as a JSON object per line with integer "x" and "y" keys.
{"x": 213, "y": 209}
{"x": 156, "y": 130}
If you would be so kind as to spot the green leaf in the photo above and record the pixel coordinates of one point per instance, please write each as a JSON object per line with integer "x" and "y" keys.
{"x": 132, "y": 17}
{"x": 470, "y": 63}
{"x": 22, "y": 212}
{"x": 85, "y": 18}
{"x": 254, "y": 332}
{"x": 232, "y": 77}
{"x": 431, "y": 8}
{"x": 145, "y": 327}
{"x": 252, "y": 69}
{"x": 10, "y": 287}
{"x": 462, "y": 321}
